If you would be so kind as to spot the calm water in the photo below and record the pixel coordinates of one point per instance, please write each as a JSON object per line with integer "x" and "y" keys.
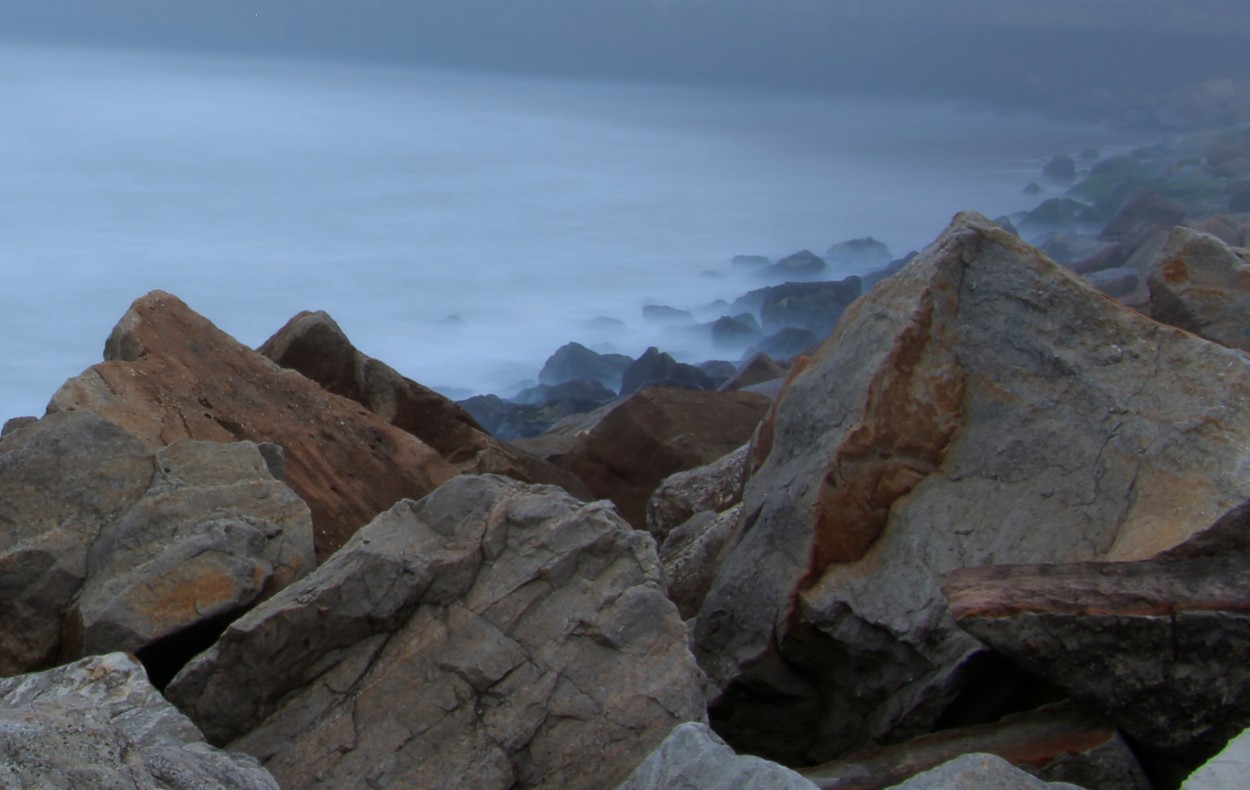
{"x": 395, "y": 198}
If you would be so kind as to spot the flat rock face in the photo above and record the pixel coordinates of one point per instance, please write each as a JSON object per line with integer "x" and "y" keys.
{"x": 170, "y": 374}
{"x": 692, "y": 757}
{"x": 656, "y": 433}
{"x": 974, "y": 397}
{"x": 1202, "y": 285}
{"x": 99, "y": 723}
{"x": 109, "y": 545}
{"x": 493, "y": 635}
{"x": 313, "y": 344}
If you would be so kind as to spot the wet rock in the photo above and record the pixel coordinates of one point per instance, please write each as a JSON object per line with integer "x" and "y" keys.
{"x": 904, "y": 451}
{"x": 735, "y": 332}
{"x": 759, "y": 368}
{"x": 815, "y": 307}
{"x": 1061, "y": 168}
{"x": 493, "y": 634}
{"x": 787, "y": 343}
{"x": 692, "y": 757}
{"x": 1200, "y": 284}
{"x": 1052, "y": 213}
{"x": 802, "y": 265}
{"x": 1145, "y": 213}
{"x": 656, "y": 433}
{"x": 583, "y": 391}
{"x": 99, "y": 723}
{"x": 170, "y": 374}
{"x": 749, "y": 262}
{"x": 1054, "y": 744}
{"x": 663, "y": 314}
{"x": 716, "y": 486}
{"x": 865, "y": 253}
{"x": 574, "y": 361}
{"x": 657, "y": 369}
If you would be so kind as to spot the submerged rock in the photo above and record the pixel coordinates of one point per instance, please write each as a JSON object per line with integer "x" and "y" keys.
{"x": 491, "y": 635}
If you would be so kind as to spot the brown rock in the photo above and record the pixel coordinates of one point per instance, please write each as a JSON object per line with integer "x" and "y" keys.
{"x": 756, "y": 370}
{"x": 1057, "y": 744}
{"x": 1202, "y": 285}
{"x": 170, "y": 374}
{"x": 491, "y": 635}
{"x": 977, "y": 394}
{"x": 655, "y": 433}
{"x": 313, "y": 344}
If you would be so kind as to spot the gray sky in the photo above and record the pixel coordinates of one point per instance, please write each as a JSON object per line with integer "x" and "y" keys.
{"x": 955, "y": 47}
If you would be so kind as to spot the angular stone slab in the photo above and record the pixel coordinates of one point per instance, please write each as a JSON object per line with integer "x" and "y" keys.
{"x": 492, "y": 634}
{"x": 981, "y": 406}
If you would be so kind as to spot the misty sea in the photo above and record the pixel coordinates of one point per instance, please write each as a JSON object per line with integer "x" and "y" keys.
{"x": 458, "y": 226}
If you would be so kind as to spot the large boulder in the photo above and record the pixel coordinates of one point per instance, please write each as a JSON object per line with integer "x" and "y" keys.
{"x": 656, "y": 433}
{"x": 815, "y": 307}
{"x": 574, "y": 361}
{"x": 99, "y": 723}
{"x": 655, "y": 368}
{"x": 865, "y": 253}
{"x": 491, "y": 635}
{"x": 1201, "y": 284}
{"x": 169, "y": 374}
{"x": 692, "y": 757}
{"x": 313, "y": 344}
{"x": 802, "y": 265}
{"x": 716, "y": 486}
{"x": 109, "y": 545}
{"x": 977, "y": 394}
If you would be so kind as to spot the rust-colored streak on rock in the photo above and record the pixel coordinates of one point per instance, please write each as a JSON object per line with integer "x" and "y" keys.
{"x": 913, "y": 413}
{"x": 1174, "y": 271}
{"x": 184, "y": 600}
{"x": 762, "y": 443}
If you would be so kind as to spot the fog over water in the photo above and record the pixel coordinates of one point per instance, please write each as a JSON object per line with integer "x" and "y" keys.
{"x": 396, "y": 196}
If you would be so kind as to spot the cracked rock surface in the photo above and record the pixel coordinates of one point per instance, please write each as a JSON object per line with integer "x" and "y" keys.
{"x": 982, "y": 406}
{"x": 494, "y": 634}
{"x": 98, "y": 723}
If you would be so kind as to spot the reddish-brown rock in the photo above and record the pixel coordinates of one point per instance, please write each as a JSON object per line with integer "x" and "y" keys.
{"x": 313, "y": 344}
{"x": 170, "y": 374}
{"x": 656, "y": 433}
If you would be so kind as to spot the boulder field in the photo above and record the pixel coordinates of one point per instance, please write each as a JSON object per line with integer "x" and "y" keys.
{"x": 991, "y": 532}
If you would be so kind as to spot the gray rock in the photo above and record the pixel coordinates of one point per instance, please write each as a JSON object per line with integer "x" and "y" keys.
{"x": 99, "y": 723}
{"x": 802, "y": 265}
{"x": 1202, "y": 285}
{"x": 691, "y": 556}
{"x": 1227, "y": 770}
{"x": 574, "y": 361}
{"x": 979, "y": 772}
{"x": 492, "y": 634}
{"x": 978, "y": 393}
{"x": 865, "y": 253}
{"x": 692, "y": 757}
{"x": 716, "y": 486}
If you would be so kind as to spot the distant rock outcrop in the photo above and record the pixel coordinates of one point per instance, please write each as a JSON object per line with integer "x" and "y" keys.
{"x": 979, "y": 393}
{"x": 491, "y": 635}
{"x": 169, "y": 374}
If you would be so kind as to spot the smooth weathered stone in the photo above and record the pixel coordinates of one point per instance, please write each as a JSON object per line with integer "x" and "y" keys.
{"x": 979, "y": 393}
{"x": 692, "y": 757}
{"x": 1055, "y": 744}
{"x": 493, "y": 634}
{"x": 314, "y": 345}
{"x": 1200, "y": 284}
{"x": 98, "y": 723}
{"x": 979, "y": 772}
{"x": 170, "y": 374}
{"x": 1158, "y": 646}
{"x": 655, "y": 433}
{"x": 716, "y": 486}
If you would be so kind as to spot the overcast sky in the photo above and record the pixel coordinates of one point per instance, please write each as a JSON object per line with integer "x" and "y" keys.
{"x": 959, "y": 47}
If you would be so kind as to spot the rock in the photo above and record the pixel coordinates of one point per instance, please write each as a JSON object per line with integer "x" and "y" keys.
{"x": 718, "y": 370}
{"x": 1117, "y": 282}
{"x": 869, "y": 281}
{"x": 749, "y": 261}
{"x": 663, "y": 314}
{"x": 1200, "y": 284}
{"x": 1233, "y": 231}
{"x": 1052, "y": 213}
{"x": 1006, "y": 224}
{"x": 1156, "y": 645}
{"x": 583, "y": 391}
{"x": 759, "y": 368}
{"x": 15, "y": 423}
{"x": 655, "y": 368}
{"x": 866, "y": 253}
{"x": 979, "y": 772}
{"x": 1061, "y": 168}
{"x": 111, "y": 546}
{"x": 491, "y": 635}
{"x": 815, "y": 307}
{"x": 313, "y": 344}
{"x": 1226, "y": 770}
{"x": 1145, "y": 213}
{"x": 691, "y": 555}
{"x": 802, "y": 265}
{"x": 99, "y": 723}
{"x": 1032, "y": 188}
{"x": 169, "y": 374}
{"x": 509, "y": 421}
{"x": 787, "y": 343}
{"x": 735, "y": 332}
{"x": 655, "y": 433}
{"x": 716, "y": 486}
{"x": 692, "y": 757}
{"x": 1068, "y": 248}
{"x": 903, "y": 451}
{"x": 1058, "y": 743}
{"x": 574, "y": 361}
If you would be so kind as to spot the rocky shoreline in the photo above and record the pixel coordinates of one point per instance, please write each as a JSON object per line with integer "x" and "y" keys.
{"x": 978, "y": 517}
